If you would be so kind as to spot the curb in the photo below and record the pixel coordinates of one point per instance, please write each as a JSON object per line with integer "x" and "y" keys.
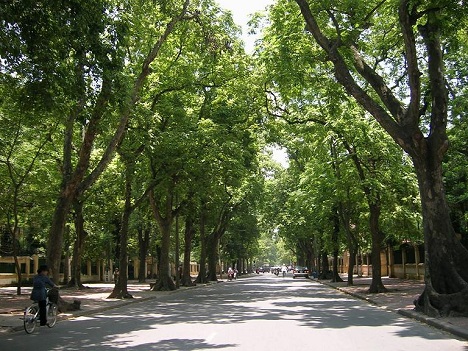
{"x": 357, "y": 296}
{"x": 433, "y": 322}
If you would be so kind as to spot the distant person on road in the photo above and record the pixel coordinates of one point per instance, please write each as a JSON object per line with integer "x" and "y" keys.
{"x": 39, "y": 292}
{"x": 230, "y": 273}
{"x": 284, "y": 269}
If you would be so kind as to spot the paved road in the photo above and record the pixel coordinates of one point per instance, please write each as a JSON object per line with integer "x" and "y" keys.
{"x": 260, "y": 313}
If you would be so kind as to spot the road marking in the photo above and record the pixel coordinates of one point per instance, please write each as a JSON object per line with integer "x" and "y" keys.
{"x": 210, "y": 337}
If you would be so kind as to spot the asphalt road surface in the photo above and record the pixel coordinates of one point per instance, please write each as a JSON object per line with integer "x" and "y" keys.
{"x": 264, "y": 312}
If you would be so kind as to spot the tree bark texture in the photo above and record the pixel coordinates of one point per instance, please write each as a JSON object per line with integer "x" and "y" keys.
{"x": 164, "y": 281}
{"x": 164, "y": 219}
{"x": 352, "y": 262}
{"x": 446, "y": 276}
{"x": 121, "y": 289}
{"x": 215, "y": 237}
{"x": 178, "y": 268}
{"x": 377, "y": 238}
{"x": 325, "y": 272}
{"x": 17, "y": 266}
{"x": 201, "y": 278}
{"x": 143, "y": 243}
{"x": 351, "y": 241}
{"x": 336, "y": 245}
{"x": 309, "y": 251}
{"x": 213, "y": 256}
{"x": 78, "y": 245}
{"x": 55, "y": 241}
{"x": 189, "y": 233}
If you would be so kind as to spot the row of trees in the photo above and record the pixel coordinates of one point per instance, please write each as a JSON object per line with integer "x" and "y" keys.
{"x": 133, "y": 116}
{"x": 147, "y": 119}
{"x": 349, "y": 78}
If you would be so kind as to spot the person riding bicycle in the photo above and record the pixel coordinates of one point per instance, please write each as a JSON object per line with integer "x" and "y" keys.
{"x": 39, "y": 292}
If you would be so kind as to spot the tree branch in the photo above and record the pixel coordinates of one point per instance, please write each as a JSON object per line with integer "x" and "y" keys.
{"x": 133, "y": 98}
{"x": 345, "y": 78}
{"x": 430, "y": 34}
{"x": 411, "y": 119}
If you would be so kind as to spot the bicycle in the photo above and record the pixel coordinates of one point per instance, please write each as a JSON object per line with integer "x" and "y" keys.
{"x": 31, "y": 315}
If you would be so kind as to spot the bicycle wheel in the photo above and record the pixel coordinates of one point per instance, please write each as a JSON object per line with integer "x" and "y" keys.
{"x": 52, "y": 315}
{"x": 30, "y": 318}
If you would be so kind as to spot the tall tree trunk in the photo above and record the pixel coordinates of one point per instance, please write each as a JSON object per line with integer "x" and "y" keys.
{"x": 78, "y": 245}
{"x": 120, "y": 290}
{"x": 351, "y": 242}
{"x": 201, "y": 278}
{"x": 164, "y": 281}
{"x": 213, "y": 256}
{"x": 373, "y": 202}
{"x": 310, "y": 256}
{"x": 335, "y": 274}
{"x": 336, "y": 245}
{"x": 66, "y": 268}
{"x": 215, "y": 237}
{"x": 377, "y": 238}
{"x": 55, "y": 241}
{"x": 143, "y": 243}
{"x": 352, "y": 262}
{"x": 158, "y": 259}
{"x": 446, "y": 259}
{"x": 19, "y": 276}
{"x": 67, "y": 275}
{"x": 13, "y": 231}
{"x": 188, "y": 237}
{"x": 178, "y": 271}
{"x": 324, "y": 274}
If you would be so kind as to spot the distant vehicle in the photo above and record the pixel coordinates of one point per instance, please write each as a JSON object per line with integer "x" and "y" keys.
{"x": 301, "y": 272}
{"x": 266, "y": 269}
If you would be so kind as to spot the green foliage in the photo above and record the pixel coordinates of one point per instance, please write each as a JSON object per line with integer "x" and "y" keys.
{"x": 205, "y": 113}
{"x": 310, "y": 116}
{"x": 58, "y": 51}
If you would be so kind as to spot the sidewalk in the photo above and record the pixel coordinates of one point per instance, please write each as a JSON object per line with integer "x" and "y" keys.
{"x": 93, "y": 300}
{"x": 399, "y": 298}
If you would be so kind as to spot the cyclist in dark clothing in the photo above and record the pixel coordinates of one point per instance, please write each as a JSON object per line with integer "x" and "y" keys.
{"x": 39, "y": 292}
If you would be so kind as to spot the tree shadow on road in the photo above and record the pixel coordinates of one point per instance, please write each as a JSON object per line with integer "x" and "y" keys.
{"x": 167, "y": 323}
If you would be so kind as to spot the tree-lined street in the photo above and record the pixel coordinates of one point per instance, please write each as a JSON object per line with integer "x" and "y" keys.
{"x": 137, "y": 142}
{"x": 263, "y": 312}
